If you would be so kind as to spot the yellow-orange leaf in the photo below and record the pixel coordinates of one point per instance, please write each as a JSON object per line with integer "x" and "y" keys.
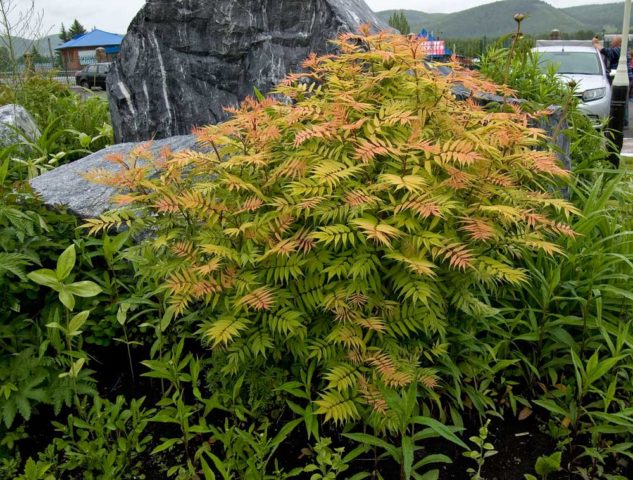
{"x": 478, "y": 229}
{"x": 379, "y": 232}
{"x": 458, "y": 256}
{"x": 262, "y": 298}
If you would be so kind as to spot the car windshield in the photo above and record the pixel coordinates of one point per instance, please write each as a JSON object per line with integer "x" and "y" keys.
{"x": 579, "y": 63}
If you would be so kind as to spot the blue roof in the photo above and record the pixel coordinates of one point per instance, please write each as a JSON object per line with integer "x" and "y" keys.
{"x": 95, "y": 38}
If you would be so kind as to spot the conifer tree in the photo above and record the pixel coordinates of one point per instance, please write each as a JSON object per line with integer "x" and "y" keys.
{"x": 75, "y": 29}
{"x": 399, "y": 21}
{"x": 63, "y": 34}
{"x": 36, "y": 55}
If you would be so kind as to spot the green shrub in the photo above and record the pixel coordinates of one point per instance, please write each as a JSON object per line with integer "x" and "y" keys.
{"x": 106, "y": 442}
{"x": 71, "y": 126}
{"x": 350, "y": 227}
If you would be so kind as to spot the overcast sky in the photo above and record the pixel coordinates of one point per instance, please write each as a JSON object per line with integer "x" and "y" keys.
{"x": 115, "y": 15}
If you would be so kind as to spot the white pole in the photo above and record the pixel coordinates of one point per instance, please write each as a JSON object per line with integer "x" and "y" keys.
{"x": 620, "y": 93}
{"x": 622, "y": 73}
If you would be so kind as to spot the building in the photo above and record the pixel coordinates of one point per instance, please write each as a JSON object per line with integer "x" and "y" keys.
{"x": 82, "y": 51}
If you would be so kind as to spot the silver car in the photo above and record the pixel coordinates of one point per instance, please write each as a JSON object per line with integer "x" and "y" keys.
{"x": 581, "y": 63}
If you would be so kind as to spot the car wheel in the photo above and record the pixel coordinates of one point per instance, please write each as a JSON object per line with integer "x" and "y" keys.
{"x": 85, "y": 84}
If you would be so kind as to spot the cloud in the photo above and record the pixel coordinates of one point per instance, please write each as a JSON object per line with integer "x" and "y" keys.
{"x": 109, "y": 15}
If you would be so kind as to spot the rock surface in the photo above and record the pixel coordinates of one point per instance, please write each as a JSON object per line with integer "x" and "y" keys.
{"x": 16, "y": 116}
{"x": 182, "y": 61}
{"x": 67, "y": 186}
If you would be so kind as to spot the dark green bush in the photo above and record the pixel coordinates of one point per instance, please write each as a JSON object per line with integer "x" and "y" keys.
{"x": 70, "y": 124}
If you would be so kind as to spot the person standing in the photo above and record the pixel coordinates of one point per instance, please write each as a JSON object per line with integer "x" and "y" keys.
{"x": 612, "y": 57}
{"x": 612, "y": 54}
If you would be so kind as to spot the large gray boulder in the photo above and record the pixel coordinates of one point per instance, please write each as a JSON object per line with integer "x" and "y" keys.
{"x": 67, "y": 186}
{"x": 182, "y": 61}
{"x": 16, "y": 117}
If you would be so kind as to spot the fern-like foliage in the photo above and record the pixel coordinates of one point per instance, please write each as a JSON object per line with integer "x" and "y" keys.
{"x": 349, "y": 223}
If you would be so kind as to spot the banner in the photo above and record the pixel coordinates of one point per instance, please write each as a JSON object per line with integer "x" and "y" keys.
{"x": 436, "y": 47}
{"x": 87, "y": 57}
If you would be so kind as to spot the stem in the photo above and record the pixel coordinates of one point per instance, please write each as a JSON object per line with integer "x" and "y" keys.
{"x": 73, "y": 380}
{"x": 116, "y": 301}
{"x": 8, "y": 40}
{"x": 160, "y": 355}
{"x": 129, "y": 355}
{"x": 183, "y": 423}
{"x": 515, "y": 39}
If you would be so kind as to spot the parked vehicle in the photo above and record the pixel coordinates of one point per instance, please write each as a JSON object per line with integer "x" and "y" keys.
{"x": 579, "y": 62}
{"x": 93, "y": 75}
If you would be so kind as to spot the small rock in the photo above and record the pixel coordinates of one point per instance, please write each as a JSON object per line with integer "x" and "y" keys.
{"x": 16, "y": 117}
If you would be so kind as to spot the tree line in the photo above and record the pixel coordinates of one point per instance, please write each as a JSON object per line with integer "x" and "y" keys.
{"x": 474, "y": 47}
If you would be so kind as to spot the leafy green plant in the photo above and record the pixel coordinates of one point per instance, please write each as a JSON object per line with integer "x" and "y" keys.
{"x": 573, "y": 341}
{"x": 405, "y": 421}
{"x": 182, "y": 372}
{"x": 581, "y": 345}
{"x": 178, "y": 371}
{"x": 70, "y": 126}
{"x": 22, "y": 385}
{"x": 484, "y": 450}
{"x": 373, "y": 260}
{"x": 35, "y": 156}
{"x": 106, "y": 443}
{"x": 247, "y": 452}
{"x": 518, "y": 67}
{"x": 59, "y": 281}
{"x": 30, "y": 235}
{"x": 28, "y": 375}
{"x": 302, "y": 391}
{"x": 330, "y": 464}
{"x": 36, "y": 471}
{"x": 545, "y": 465}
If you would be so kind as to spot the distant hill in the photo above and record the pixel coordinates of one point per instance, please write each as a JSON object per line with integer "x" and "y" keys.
{"x": 417, "y": 20}
{"x": 495, "y": 19}
{"x": 22, "y": 45}
{"x": 599, "y": 17}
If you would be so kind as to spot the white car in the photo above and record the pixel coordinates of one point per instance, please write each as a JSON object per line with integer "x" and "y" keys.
{"x": 579, "y": 62}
